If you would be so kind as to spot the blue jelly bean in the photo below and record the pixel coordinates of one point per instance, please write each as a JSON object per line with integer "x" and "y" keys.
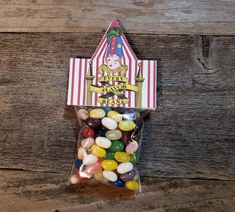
{"x": 130, "y": 116}
{"x": 107, "y": 109}
{"x": 77, "y": 164}
{"x": 118, "y": 183}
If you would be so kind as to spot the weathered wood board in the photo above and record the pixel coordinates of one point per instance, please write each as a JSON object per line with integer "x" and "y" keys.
{"x": 191, "y": 135}
{"x": 151, "y": 16}
{"x": 36, "y": 191}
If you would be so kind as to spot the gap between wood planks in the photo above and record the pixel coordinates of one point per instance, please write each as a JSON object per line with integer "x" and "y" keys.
{"x": 158, "y": 17}
{"x": 33, "y": 191}
{"x": 144, "y": 176}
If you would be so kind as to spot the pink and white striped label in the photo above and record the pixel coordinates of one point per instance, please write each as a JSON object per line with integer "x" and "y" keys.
{"x": 113, "y": 76}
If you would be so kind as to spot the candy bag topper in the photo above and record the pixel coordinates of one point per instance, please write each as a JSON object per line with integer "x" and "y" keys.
{"x": 113, "y": 76}
{"x": 111, "y": 93}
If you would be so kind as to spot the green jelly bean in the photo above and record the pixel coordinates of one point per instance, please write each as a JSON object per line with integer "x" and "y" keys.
{"x": 116, "y": 146}
{"x": 109, "y": 155}
{"x": 134, "y": 158}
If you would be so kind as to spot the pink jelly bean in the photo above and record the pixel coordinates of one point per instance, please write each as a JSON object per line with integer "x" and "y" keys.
{"x": 132, "y": 147}
{"x": 94, "y": 168}
{"x": 87, "y": 143}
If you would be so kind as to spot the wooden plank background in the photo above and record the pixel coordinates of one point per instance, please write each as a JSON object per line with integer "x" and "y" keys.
{"x": 151, "y": 16}
{"x": 193, "y": 125}
{"x": 190, "y": 136}
{"x": 45, "y": 192}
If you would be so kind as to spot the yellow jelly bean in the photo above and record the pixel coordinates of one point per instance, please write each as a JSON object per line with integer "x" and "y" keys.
{"x": 99, "y": 177}
{"x": 97, "y": 113}
{"x": 127, "y": 125}
{"x": 109, "y": 165}
{"x": 122, "y": 157}
{"x": 81, "y": 153}
{"x": 132, "y": 184}
{"x": 98, "y": 151}
{"x": 115, "y": 116}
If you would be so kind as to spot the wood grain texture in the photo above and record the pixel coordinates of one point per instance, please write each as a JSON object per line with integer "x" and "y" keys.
{"x": 36, "y": 191}
{"x": 191, "y": 135}
{"x": 151, "y": 16}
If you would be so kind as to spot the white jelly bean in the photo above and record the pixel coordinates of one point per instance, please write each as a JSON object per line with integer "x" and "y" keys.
{"x": 74, "y": 179}
{"x": 90, "y": 159}
{"x": 109, "y": 123}
{"x": 110, "y": 175}
{"x": 113, "y": 134}
{"x": 124, "y": 167}
{"x": 103, "y": 142}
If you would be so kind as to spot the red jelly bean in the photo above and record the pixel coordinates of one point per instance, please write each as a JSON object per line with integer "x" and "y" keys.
{"x": 88, "y": 132}
{"x": 126, "y": 137}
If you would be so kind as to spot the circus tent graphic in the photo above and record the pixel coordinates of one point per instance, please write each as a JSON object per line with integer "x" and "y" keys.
{"x": 113, "y": 76}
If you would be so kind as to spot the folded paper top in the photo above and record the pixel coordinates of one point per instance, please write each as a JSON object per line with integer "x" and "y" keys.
{"x": 114, "y": 76}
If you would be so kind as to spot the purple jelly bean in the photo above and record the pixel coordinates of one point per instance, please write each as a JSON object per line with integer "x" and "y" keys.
{"x": 126, "y": 137}
{"x": 128, "y": 176}
{"x": 93, "y": 122}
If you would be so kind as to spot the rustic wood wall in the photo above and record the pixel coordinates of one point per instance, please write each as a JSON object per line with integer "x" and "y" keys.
{"x": 138, "y": 16}
{"x": 193, "y": 125}
{"x": 190, "y": 135}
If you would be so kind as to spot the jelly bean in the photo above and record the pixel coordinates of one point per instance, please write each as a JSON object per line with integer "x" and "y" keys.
{"x": 110, "y": 175}
{"x": 87, "y": 132}
{"x": 136, "y": 177}
{"x": 100, "y": 160}
{"x": 109, "y": 123}
{"x": 99, "y": 177}
{"x": 109, "y": 165}
{"x": 116, "y": 146}
{"x": 82, "y": 114}
{"x": 113, "y": 134}
{"x": 115, "y": 116}
{"x": 87, "y": 143}
{"x": 122, "y": 157}
{"x": 103, "y": 142}
{"x": 74, "y": 179}
{"x": 127, "y": 125}
{"x": 109, "y": 155}
{"x": 130, "y": 116}
{"x": 107, "y": 109}
{"x": 132, "y": 184}
{"x": 100, "y": 131}
{"x": 89, "y": 159}
{"x": 118, "y": 183}
{"x": 94, "y": 168}
{"x": 132, "y": 147}
{"x": 126, "y": 137}
{"x": 98, "y": 151}
{"x": 128, "y": 176}
{"x": 134, "y": 158}
{"x": 97, "y": 113}
{"x": 83, "y": 175}
{"x": 81, "y": 153}
{"x": 93, "y": 123}
{"x": 124, "y": 167}
{"x": 77, "y": 164}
